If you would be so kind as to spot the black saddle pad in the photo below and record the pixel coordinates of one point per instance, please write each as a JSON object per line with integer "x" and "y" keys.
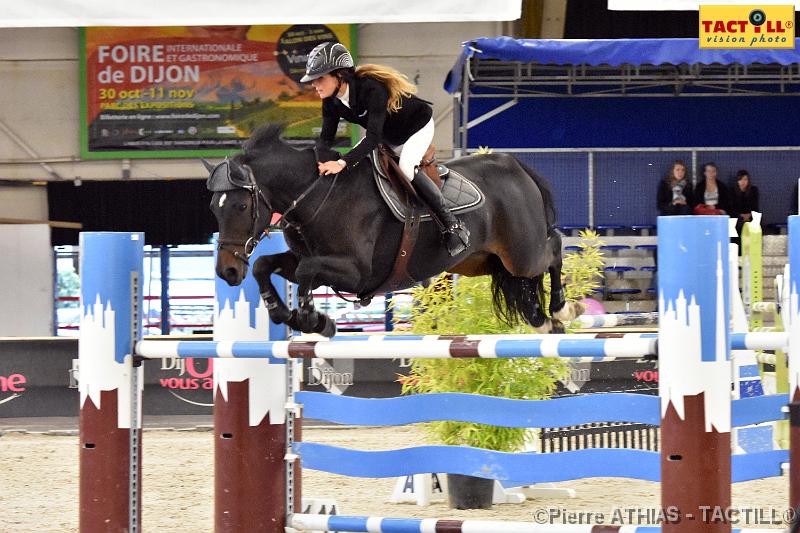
{"x": 460, "y": 194}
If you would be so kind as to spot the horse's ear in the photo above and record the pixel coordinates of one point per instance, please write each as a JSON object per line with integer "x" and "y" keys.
{"x": 206, "y": 164}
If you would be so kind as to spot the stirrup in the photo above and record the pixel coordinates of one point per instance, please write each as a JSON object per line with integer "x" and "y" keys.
{"x": 456, "y": 238}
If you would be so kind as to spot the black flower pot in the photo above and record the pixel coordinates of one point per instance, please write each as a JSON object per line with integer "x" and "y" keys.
{"x": 468, "y": 492}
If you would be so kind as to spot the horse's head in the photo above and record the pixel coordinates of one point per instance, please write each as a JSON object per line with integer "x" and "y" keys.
{"x": 243, "y": 215}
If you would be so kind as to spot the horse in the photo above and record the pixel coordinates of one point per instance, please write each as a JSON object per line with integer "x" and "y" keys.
{"x": 341, "y": 234}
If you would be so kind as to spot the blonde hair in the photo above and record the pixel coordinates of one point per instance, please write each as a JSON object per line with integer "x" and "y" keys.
{"x": 395, "y": 82}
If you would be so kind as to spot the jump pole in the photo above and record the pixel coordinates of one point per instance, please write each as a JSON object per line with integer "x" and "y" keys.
{"x": 251, "y": 422}
{"x": 694, "y": 371}
{"x": 794, "y": 362}
{"x": 110, "y": 385}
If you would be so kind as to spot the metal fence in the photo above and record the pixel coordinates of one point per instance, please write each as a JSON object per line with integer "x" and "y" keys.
{"x": 600, "y": 435}
{"x": 595, "y": 186}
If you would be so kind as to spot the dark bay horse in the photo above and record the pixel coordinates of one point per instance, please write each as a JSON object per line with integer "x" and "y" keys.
{"x": 341, "y": 234}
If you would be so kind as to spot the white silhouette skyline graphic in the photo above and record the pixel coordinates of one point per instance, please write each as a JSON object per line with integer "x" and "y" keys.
{"x": 98, "y": 369}
{"x": 267, "y": 390}
{"x": 681, "y": 367}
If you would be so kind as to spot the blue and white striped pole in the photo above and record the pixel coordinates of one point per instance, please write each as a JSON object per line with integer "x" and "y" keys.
{"x": 250, "y": 416}
{"x": 378, "y": 524}
{"x": 577, "y": 347}
{"x": 110, "y": 386}
{"x": 694, "y": 371}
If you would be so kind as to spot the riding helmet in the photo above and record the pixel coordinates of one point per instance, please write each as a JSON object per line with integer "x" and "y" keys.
{"x": 326, "y": 58}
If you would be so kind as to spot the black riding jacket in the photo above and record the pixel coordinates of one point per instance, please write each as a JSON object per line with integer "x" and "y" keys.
{"x": 368, "y": 99}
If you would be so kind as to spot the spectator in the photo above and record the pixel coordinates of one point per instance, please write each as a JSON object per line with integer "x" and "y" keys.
{"x": 744, "y": 199}
{"x": 711, "y": 197}
{"x": 675, "y": 191}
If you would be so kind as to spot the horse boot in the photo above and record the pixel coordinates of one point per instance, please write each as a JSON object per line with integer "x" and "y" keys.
{"x": 455, "y": 235}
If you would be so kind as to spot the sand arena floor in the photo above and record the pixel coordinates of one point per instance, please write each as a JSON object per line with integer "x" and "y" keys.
{"x": 39, "y": 484}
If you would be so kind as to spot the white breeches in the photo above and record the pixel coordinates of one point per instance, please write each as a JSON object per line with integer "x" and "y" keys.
{"x": 412, "y": 151}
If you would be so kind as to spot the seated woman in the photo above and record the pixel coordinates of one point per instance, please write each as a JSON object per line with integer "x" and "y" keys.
{"x": 744, "y": 199}
{"x": 674, "y": 191}
{"x": 711, "y": 197}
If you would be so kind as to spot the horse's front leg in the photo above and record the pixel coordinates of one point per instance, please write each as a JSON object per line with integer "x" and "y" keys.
{"x": 306, "y": 318}
{"x": 284, "y": 264}
{"x": 315, "y": 272}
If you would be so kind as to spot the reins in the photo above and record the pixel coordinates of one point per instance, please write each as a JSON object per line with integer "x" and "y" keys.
{"x": 298, "y": 226}
{"x": 257, "y": 196}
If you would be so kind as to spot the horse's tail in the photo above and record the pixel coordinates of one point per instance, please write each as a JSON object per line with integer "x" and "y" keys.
{"x": 547, "y": 196}
{"x": 515, "y": 298}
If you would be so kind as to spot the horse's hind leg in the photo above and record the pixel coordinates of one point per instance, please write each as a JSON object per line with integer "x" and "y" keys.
{"x": 560, "y": 308}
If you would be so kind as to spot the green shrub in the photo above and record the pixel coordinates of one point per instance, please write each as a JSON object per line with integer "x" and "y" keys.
{"x": 583, "y": 270}
{"x": 464, "y": 308}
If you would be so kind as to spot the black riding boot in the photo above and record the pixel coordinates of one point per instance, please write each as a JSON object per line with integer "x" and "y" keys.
{"x": 455, "y": 235}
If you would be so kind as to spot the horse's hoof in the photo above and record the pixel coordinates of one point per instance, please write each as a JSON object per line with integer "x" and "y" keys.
{"x": 330, "y": 327}
{"x": 569, "y": 311}
{"x": 280, "y": 315}
{"x": 557, "y": 327}
{"x": 293, "y": 321}
{"x": 309, "y": 322}
{"x": 578, "y": 308}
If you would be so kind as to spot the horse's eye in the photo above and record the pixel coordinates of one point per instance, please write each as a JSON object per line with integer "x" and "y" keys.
{"x": 242, "y": 207}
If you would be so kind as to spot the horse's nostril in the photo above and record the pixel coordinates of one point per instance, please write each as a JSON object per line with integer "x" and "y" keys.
{"x": 231, "y": 274}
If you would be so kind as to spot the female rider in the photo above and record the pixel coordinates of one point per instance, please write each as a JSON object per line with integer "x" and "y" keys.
{"x": 383, "y": 101}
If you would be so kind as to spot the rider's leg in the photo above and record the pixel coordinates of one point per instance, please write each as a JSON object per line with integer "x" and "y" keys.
{"x": 413, "y": 150}
{"x": 456, "y": 236}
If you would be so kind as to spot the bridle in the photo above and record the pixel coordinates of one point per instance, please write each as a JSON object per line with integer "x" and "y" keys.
{"x": 256, "y": 198}
{"x": 226, "y": 182}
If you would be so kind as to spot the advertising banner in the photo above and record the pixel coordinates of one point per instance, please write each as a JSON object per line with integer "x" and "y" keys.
{"x": 200, "y": 90}
{"x": 90, "y": 13}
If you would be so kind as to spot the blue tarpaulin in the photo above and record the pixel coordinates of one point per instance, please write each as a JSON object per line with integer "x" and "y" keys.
{"x": 607, "y": 111}
{"x": 612, "y": 52}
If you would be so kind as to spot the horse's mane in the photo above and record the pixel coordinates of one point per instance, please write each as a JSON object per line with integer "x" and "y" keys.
{"x": 264, "y": 137}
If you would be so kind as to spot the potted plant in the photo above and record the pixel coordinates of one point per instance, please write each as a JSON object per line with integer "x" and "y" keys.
{"x": 464, "y": 307}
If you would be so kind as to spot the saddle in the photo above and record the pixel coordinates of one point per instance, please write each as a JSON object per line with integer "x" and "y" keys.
{"x": 461, "y": 195}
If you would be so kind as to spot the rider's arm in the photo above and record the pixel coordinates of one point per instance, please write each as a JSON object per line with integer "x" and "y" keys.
{"x": 376, "y": 100}
{"x": 330, "y": 122}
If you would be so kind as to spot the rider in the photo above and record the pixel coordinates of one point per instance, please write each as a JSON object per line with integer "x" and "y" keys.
{"x": 383, "y": 101}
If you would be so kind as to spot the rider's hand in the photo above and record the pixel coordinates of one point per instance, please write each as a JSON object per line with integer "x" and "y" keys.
{"x": 331, "y": 167}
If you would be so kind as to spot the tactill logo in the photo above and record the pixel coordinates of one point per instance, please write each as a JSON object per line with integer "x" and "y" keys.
{"x": 746, "y": 26}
